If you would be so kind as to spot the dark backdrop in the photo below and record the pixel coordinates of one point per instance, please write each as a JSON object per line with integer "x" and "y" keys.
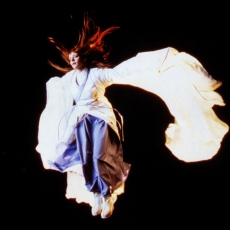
{"x": 161, "y": 190}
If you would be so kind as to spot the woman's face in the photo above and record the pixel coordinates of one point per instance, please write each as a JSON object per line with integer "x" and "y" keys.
{"x": 73, "y": 59}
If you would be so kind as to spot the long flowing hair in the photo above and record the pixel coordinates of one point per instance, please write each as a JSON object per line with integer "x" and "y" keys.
{"x": 90, "y": 48}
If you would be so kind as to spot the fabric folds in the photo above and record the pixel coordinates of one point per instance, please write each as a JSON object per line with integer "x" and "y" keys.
{"x": 98, "y": 149}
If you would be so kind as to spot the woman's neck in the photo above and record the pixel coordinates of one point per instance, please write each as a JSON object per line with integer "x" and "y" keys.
{"x": 78, "y": 71}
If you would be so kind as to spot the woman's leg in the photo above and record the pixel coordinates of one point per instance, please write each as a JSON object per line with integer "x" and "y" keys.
{"x": 102, "y": 161}
{"x": 101, "y": 156}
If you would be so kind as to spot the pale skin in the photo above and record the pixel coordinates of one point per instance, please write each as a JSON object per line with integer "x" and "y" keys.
{"x": 73, "y": 60}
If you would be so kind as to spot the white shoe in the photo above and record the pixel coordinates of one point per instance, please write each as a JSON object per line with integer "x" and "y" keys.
{"x": 107, "y": 207}
{"x": 97, "y": 207}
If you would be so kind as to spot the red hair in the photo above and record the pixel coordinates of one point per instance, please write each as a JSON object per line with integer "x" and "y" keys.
{"x": 90, "y": 47}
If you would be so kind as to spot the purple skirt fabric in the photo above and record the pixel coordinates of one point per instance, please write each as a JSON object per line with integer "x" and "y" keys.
{"x": 98, "y": 149}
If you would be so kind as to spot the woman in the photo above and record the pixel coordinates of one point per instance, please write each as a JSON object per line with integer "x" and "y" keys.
{"x": 79, "y": 133}
{"x": 87, "y": 132}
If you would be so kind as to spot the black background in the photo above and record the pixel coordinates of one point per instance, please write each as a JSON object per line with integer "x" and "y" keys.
{"x": 161, "y": 191}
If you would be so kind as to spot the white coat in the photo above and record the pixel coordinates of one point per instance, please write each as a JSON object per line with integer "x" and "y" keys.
{"x": 177, "y": 78}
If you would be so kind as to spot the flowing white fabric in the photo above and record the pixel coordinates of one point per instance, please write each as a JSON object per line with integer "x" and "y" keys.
{"x": 188, "y": 91}
{"x": 177, "y": 78}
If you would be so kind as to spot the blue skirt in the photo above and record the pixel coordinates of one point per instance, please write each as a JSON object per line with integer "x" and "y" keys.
{"x": 98, "y": 149}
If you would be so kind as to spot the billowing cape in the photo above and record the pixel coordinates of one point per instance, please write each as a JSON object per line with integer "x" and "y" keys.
{"x": 188, "y": 91}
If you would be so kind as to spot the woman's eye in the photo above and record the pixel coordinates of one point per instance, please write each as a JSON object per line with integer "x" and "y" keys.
{"x": 73, "y": 58}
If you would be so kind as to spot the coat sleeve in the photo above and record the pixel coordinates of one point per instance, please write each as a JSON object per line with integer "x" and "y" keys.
{"x": 187, "y": 89}
{"x": 58, "y": 102}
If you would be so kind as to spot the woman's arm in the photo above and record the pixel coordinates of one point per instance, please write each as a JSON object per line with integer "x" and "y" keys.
{"x": 187, "y": 90}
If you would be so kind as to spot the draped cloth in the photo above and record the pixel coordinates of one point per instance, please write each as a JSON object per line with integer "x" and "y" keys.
{"x": 98, "y": 149}
{"x": 188, "y": 91}
{"x": 177, "y": 78}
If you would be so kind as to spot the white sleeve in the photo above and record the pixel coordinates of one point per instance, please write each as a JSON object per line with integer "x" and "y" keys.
{"x": 58, "y": 102}
{"x": 187, "y": 90}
